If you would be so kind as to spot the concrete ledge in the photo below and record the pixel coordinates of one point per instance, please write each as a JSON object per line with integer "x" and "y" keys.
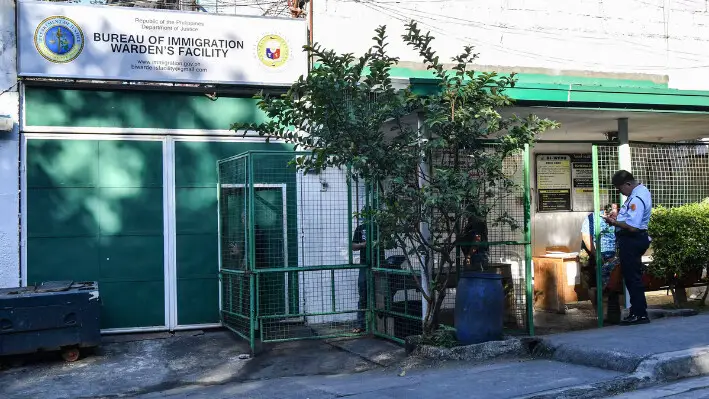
{"x": 588, "y": 391}
{"x": 588, "y": 356}
{"x": 650, "y": 371}
{"x": 673, "y": 366}
{"x": 662, "y": 313}
{"x": 477, "y": 352}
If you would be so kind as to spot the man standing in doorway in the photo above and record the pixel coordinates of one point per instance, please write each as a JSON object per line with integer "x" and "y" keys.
{"x": 359, "y": 243}
{"x": 633, "y": 240}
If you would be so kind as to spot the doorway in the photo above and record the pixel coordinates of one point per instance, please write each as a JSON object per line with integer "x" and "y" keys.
{"x": 270, "y": 241}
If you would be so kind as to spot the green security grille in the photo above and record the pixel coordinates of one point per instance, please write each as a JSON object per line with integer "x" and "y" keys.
{"x": 288, "y": 271}
{"x": 286, "y": 266}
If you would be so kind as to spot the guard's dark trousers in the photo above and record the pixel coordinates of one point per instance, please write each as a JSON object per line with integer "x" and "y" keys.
{"x": 631, "y": 247}
{"x": 362, "y": 304}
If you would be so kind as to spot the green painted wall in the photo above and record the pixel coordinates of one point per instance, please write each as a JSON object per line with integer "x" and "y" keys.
{"x": 95, "y": 208}
{"x": 95, "y": 212}
{"x": 135, "y": 109}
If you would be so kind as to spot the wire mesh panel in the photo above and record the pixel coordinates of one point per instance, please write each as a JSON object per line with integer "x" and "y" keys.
{"x": 607, "y": 165}
{"x": 236, "y": 302}
{"x": 676, "y": 174}
{"x": 289, "y": 235}
{"x": 235, "y": 278}
{"x": 397, "y": 300}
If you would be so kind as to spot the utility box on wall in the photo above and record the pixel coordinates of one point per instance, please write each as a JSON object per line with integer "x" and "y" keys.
{"x": 6, "y": 124}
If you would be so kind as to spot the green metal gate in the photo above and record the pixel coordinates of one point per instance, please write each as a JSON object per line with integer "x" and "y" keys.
{"x": 288, "y": 271}
{"x": 286, "y": 264}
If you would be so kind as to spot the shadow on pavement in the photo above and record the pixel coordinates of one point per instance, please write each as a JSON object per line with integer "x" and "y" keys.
{"x": 139, "y": 364}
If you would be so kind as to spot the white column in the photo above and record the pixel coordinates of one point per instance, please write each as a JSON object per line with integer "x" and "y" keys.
{"x": 9, "y": 151}
{"x": 624, "y": 162}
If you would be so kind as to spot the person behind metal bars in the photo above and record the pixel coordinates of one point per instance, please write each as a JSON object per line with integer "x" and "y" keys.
{"x": 475, "y": 256}
{"x": 238, "y": 250}
{"x": 587, "y": 257}
{"x": 633, "y": 240}
{"x": 237, "y": 259}
{"x": 359, "y": 243}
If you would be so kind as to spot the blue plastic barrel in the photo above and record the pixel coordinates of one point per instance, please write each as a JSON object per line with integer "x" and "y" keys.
{"x": 479, "y": 307}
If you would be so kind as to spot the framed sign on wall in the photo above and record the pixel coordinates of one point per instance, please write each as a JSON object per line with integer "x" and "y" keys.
{"x": 582, "y": 177}
{"x": 553, "y": 182}
{"x": 61, "y": 40}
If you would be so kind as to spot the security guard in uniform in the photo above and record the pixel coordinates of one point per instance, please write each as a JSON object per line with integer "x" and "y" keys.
{"x": 633, "y": 240}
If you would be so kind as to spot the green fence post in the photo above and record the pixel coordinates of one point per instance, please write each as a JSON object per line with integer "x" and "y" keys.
{"x": 349, "y": 214}
{"x": 253, "y": 295}
{"x": 370, "y": 192}
{"x": 252, "y": 314}
{"x": 528, "y": 242}
{"x": 219, "y": 248}
{"x": 597, "y": 236}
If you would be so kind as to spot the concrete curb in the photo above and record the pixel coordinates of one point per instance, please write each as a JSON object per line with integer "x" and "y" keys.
{"x": 649, "y": 371}
{"x": 598, "y": 390}
{"x": 672, "y": 366}
{"x": 662, "y": 313}
{"x": 586, "y": 356}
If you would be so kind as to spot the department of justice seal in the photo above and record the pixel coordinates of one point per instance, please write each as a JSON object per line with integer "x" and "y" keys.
{"x": 59, "y": 39}
{"x": 273, "y": 51}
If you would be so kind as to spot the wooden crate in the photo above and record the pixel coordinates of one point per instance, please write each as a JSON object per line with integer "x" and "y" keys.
{"x": 556, "y": 281}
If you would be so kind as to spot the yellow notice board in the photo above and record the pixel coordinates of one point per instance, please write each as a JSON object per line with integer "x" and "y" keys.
{"x": 553, "y": 182}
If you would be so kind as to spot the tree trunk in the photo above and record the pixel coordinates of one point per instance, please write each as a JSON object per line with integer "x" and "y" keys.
{"x": 679, "y": 293}
{"x": 430, "y": 322}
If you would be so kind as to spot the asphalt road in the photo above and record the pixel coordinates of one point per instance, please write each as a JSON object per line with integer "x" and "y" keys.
{"x": 508, "y": 379}
{"x": 694, "y": 388}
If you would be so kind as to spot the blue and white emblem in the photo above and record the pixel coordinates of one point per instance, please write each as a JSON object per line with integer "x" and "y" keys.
{"x": 59, "y": 39}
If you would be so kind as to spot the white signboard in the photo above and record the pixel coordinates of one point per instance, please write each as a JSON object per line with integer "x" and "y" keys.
{"x": 117, "y": 43}
{"x": 582, "y": 176}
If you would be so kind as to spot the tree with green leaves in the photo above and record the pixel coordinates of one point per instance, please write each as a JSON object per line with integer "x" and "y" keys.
{"x": 436, "y": 177}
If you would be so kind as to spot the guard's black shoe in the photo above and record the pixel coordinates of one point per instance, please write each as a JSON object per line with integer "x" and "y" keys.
{"x": 633, "y": 320}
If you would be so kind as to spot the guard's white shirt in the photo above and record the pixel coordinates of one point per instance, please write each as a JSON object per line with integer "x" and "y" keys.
{"x": 637, "y": 208}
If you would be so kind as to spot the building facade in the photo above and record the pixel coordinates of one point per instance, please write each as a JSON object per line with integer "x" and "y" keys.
{"x": 106, "y": 177}
{"x": 118, "y": 177}
{"x": 9, "y": 150}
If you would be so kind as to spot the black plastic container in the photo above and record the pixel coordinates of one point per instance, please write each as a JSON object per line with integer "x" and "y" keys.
{"x": 53, "y": 316}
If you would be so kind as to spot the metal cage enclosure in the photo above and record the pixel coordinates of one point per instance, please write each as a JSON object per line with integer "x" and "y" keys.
{"x": 287, "y": 270}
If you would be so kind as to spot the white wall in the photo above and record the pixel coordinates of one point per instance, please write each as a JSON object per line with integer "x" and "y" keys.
{"x": 659, "y": 37}
{"x": 9, "y": 151}
{"x": 323, "y": 239}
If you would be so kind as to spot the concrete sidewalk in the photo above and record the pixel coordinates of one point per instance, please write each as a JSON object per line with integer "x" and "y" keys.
{"x": 664, "y": 350}
{"x": 624, "y": 348}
